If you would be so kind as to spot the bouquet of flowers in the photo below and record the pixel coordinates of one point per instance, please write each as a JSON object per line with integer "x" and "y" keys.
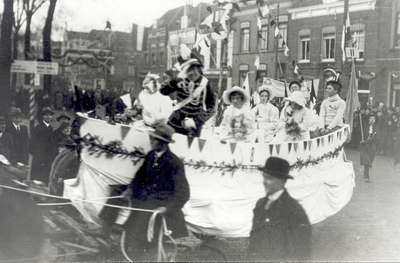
{"x": 238, "y": 129}
{"x": 293, "y": 129}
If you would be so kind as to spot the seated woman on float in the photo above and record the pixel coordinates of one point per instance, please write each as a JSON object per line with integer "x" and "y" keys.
{"x": 238, "y": 123}
{"x": 295, "y": 120}
{"x": 267, "y": 115}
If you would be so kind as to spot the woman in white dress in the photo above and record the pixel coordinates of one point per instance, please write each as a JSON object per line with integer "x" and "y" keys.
{"x": 267, "y": 115}
{"x": 238, "y": 123}
{"x": 295, "y": 120}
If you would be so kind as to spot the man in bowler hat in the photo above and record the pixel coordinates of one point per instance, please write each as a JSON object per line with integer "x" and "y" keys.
{"x": 20, "y": 136}
{"x": 281, "y": 229}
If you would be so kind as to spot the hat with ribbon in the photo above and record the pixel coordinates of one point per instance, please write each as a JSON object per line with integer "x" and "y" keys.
{"x": 277, "y": 167}
{"x": 163, "y": 132}
{"x": 298, "y": 98}
{"x": 267, "y": 89}
{"x": 227, "y": 94}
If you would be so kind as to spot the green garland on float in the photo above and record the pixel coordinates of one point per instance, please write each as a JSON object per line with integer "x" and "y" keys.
{"x": 112, "y": 149}
{"x": 232, "y": 168}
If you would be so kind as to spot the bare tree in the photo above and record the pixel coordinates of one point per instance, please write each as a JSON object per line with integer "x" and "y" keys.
{"x": 5, "y": 54}
{"x": 30, "y": 7}
{"x": 19, "y": 20}
{"x": 47, "y": 44}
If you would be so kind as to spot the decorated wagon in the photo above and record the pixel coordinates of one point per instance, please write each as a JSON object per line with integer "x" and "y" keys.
{"x": 224, "y": 179}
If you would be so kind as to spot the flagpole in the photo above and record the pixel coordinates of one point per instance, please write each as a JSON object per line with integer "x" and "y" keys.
{"x": 277, "y": 45}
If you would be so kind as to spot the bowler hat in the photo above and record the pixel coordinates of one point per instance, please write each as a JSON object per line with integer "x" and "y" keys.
{"x": 15, "y": 112}
{"x": 163, "y": 132}
{"x": 47, "y": 110}
{"x": 277, "y": 167}
{"x": 67, "y": 142}
{"x": 63, "y": 115}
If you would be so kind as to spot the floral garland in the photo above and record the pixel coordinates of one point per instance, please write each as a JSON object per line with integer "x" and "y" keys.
{"x": 111, "y": 149}
{"x": 232, "y": 168}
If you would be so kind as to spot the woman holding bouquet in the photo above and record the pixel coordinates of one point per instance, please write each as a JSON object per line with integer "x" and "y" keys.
{"x": 295, "y": 120}
{"x": 238, "y": 122}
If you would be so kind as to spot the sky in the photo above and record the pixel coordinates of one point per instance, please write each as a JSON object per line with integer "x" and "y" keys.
{"x": 85, "y": 15}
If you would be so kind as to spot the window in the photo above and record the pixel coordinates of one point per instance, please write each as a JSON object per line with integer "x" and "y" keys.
{"x": 264, "y": 35}
{"x": 328, "y": 43}
{"x": 304, "y": 45}
{"x": 161, "y": 58}
{"x": 357, "y": 39}
{"x": 397, "y": 35}
{"x": 245, "y": 36}
{"x": 131, "y": 69}
{"x": 283, "y": 32}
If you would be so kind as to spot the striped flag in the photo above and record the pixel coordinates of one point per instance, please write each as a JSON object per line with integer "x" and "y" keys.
{"x": 352, "y": 102}
{"x": 346, "y": 34}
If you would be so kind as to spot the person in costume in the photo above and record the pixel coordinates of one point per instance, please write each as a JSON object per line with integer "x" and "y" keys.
{"x": 332, "y": 109}
{"x": 295, "y": 120}
{"x": 157, "y": 108}
{"x": 267, "y": 115}
{"x": 195, "y": 97}
{"x": 238, "y": 122}
{"x": 281, "y": 230}
{"x": 368, "y": 145}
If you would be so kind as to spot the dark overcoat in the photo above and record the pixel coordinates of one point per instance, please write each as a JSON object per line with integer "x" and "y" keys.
{"x": 20, "y": 152}
{"x": 155, "y": 185}
{"x": 7, "y": 144}
{"x": 368, "y": 148}
{"x": 283, "y": 232}
{"x": 43, "y": 152}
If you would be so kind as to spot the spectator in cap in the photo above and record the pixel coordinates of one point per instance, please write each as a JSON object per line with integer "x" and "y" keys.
{"x": 65, "y": 166}
{"x": 238, "y": 122}
{"x": 195, "y": 98}
{"x": 20, "y": 137}
{"x": 64, "y": 131}
{"x": 332, "y": 110}
{"x": 63, "y": 118}
{"x": 160, "y": 184}
{"x": 295, "y": 121}
{"x": 267, "y": 115}
{"x": 42, "y": 148}
{"x": 5, "y": 139}
{"x": 281, "y": 229}
{"x": 368, "y": 146}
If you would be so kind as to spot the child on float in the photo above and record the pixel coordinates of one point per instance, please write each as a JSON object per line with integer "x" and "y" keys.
{"x": 238, "y": 123}
{"x": 266, "y": 115}
{"x": 295, "y": 120}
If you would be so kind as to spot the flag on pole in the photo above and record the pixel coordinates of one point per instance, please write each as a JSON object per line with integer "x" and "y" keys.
{"x": 208, "y": 21}
{"x": 352, "y": 102}
{"x": 259, "y": 26}
{"x": 346, "y": 34}
{"x": 286, "y": 52}
{"x": 276, "y": 31}
{"x": 313, "y": 96}
{"x": 126, "y": 99}
{"x": 246, "y": 87}
{"x": 257, "y": 62}
{"x": 265, "y": 11}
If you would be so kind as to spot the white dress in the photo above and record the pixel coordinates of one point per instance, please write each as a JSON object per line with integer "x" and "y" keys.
{"x": 301, "y": 118}
{"x": 157, "y": 108}
{"x": 267, "y": 118}
{"x": 237, "y": 124}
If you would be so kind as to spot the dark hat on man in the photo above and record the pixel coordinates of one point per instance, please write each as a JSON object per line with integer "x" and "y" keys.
{"x": 277, "y": 167}
{"x": 15, "y": 112}
{"x": 2, "y": 120}
{"x": 47, "y": 110}
{"x": 163, "y": 132}
{"x": 67, "y": 142}
{"x": 63, "y": 115}
{"x": 336, "y": 84}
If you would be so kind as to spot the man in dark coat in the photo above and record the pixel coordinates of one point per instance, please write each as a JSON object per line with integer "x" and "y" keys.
{"x": 281, "y": 229}
{"x": 161, "y": 185}
{"x": 42, "y": 148}
{"x": 6, "y": 140}
{"x": 195, "y": 98}
{"x": 20, "y": 136}
{"x": 368, "y": 146}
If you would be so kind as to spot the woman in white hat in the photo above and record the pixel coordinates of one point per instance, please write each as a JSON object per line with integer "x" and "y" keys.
{"x": 267, "y": 115}
{"x": 295, "y": 120}
{"x": 238, "y": 122}
{"x": 157, "y": 108}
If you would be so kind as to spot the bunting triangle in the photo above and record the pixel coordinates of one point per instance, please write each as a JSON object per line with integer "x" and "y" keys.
{"x": 202, "y": 142}
{"x": 340, "y": 135}
{"x": 278, "y": 148}
{"x": 271, "y": 147}
{"x": 322, "y": 142}
{"x": 124, "y": 131}
{"x": 190, "y": 140}
{"x": 309, "y": 145}
{"x": 305, "y": 145}
{"x": 295, "y": 145}
{"x": 233, "y": 147}
{"x": 289, "y": 146}
{"x": 318, "y": 142}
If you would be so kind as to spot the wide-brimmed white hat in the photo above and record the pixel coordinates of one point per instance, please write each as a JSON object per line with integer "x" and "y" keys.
{"x": 227, "y": 94}
{"x": 267, "y": 89}
{"x": 298, "y": 98}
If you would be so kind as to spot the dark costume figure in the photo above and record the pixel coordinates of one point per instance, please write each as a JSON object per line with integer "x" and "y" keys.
{"x": 195, "y": 99}
{"x": 42, "y": 148}
{"x": 20, "y": 137}
{"x": 281, "y": 229}
{"x": 368, "y": 146}
{"x": 6, "y": 140}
